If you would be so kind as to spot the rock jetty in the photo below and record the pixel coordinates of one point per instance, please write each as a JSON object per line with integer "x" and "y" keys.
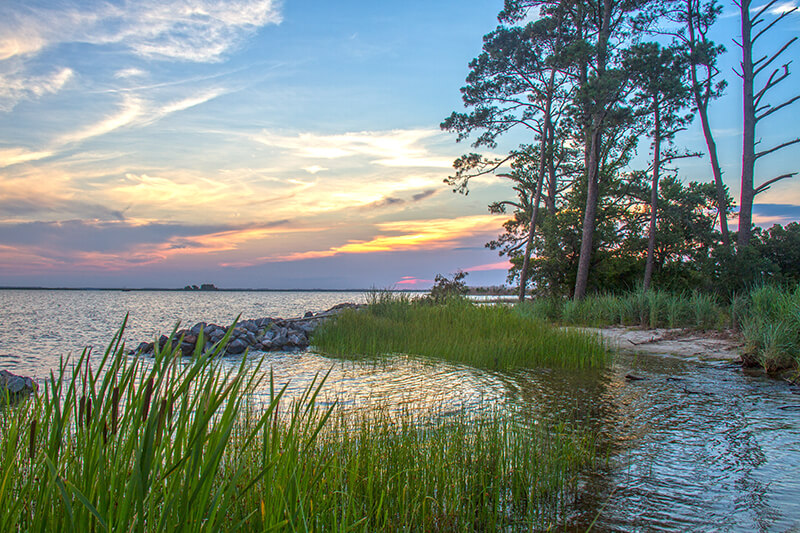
{"x": 263, "y": 334}
{"x": 12, "y": 385}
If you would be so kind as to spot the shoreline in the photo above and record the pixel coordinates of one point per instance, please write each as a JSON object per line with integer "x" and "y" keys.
{"x": 677, "y": 342}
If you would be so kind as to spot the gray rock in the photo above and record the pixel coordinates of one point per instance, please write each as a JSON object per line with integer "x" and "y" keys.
{"x": 280, "y": 341}
{"x": 237, "y": 346}
{"x": 297, "y": 340}
{"x": 251, "y": 339}
{"x": 13, "y": 384}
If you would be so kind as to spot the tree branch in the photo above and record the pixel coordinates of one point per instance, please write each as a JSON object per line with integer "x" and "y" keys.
{"x": 771, "y": 24}
{"x": 767, "y": 184}
{"x": 776, "y": 148}
{"x": 774, "y": 56}
{"x": 776, "y": 108}
{"x": 771, "y": 82}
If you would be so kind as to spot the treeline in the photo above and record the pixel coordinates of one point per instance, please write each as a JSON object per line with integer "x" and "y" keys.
{"x": 587, "y": 80}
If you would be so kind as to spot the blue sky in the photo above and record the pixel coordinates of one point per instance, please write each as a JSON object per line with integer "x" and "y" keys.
{"x": 261, "y": 144}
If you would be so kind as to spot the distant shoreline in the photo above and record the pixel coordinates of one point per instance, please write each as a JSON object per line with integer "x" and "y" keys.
{"x": 155, "y": 289}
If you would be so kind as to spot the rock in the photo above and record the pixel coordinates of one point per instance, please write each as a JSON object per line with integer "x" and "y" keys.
{"x": 264, "y": 333}
{"x": 237, "y": 346}
{"x": 188, "y": 344}
{"x": 633, "y": 377}
{"x": 297, "y": 340}
{"x": 12, "y": 384}
{"x": 279, "y": 341}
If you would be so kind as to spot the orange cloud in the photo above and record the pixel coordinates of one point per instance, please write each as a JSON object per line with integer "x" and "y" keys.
{"x": 410, "y": 235}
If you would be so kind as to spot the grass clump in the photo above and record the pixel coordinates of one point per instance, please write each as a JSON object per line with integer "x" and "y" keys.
{"x": 767, "y": 317}
{"x": 771, "y": 328}
{"x": 483, "y": 336}
{"x": 181, "y": 444}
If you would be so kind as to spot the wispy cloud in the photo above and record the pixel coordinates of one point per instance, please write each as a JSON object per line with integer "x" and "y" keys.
{"x": 130, "y": 109}
{"x": 13, "y": 156}
{"x": 777, "y": 9}
{"x": 129, "y": 73}
{"x": 190, "y": 30}
{"x": 393, "y": 148}
{"x": 17, "y": 86}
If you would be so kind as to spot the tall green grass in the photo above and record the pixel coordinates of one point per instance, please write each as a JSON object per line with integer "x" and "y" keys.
{"x": 771, "y": 328}
{"x": 483, "y": 336}
{"x": 654, "y": 309}
{"x": 768, "y": 317}
{"x": 181, "y": 444}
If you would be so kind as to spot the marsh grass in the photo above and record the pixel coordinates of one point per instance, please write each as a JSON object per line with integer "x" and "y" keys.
{"x": 768, "y": 317}
{"x": 182, "y": 444}
{"x": 771, "y": 328}
{"x": 651, "y": 309}
{"x": 484, "y": 336}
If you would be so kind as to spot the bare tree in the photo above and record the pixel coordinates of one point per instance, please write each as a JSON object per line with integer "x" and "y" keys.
{"x": 755, "y": 107}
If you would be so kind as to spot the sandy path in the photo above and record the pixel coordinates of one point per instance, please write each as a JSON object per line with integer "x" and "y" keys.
{"x": 680, "y": 342}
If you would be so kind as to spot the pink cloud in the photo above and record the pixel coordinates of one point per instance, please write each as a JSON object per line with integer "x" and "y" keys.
{"x": 500, "y": 265}
{"x": 411, "y": 281}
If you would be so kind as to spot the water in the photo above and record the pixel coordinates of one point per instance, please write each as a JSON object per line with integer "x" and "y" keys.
{"x": 694, "y": 447}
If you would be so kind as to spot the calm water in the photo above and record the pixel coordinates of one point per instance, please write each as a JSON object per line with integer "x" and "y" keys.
{"x": 694, "y": 447}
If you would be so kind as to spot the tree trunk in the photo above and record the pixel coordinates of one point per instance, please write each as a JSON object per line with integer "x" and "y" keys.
{"x": 651, "y": 235}
{"x": 589, "y": 216}
{"x": 749, "y": 133}
{"x": 701, "y": 99}
{"x": 593, "y": 162}
{"x": 526, "y": 260}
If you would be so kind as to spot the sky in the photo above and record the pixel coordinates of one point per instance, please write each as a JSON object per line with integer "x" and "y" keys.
{"x": 267, "y": 144}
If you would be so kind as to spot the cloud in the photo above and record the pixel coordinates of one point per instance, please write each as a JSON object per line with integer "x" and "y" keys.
{"x": 13, "y": 156}
{"x": 777, "y": 9}
{"x": 409, "y": 235}
{"x": 130, "y": 109}
{"x": 766, "y": 215}
{"x": 134, "y": 111}
{"x": 129, "y": 73}
{"x": 17, "y": 86}
{"x": 393, "y": 148}
{"x": 313, "y": 169}
{"x": 424, "y": 194}
{"x": 411, "y": 281}
{"x": 189, "y": 30}
{"x": 500, "y": 265}
{"x": 123, "y": 244}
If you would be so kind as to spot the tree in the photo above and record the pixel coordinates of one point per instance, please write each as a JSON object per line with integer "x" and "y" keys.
{"x": 754, "y": 109}
{"x": 695, "y": 19}
{"x": 660, "y": 95}
{"x": 514, "y": 82}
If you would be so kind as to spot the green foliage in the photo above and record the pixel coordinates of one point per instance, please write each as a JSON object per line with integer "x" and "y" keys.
{"x": 446, "y": 288}
{"x": 484, "y": 336}
{"x": 179, "y": 444}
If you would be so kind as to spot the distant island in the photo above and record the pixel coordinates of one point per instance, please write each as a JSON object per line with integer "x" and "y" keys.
{"x": 203, "y": 287}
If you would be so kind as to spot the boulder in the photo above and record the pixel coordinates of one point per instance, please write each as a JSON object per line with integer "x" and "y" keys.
{"x": 237, "y": 346}
{"x": 13, "y": 385}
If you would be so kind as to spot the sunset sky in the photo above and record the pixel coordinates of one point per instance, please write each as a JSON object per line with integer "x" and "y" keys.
{"x": 265, "y": 144}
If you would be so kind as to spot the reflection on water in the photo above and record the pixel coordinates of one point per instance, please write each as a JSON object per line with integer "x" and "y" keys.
{"x": 693, "y": 447}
